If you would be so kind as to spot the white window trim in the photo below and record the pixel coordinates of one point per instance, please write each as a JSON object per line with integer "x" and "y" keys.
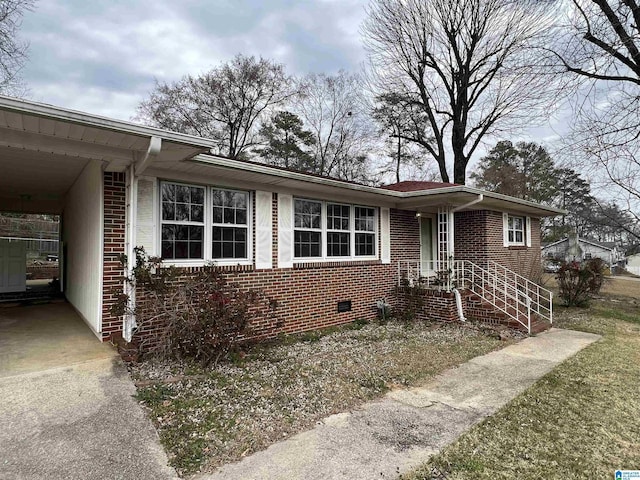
{"x": 207, "y": 249}
{"x": 324, "y": 258}
{"x": 524, "y": 231}
{"x": 183, "y": 261}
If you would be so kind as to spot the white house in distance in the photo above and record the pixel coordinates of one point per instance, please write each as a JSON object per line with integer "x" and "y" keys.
{"x": 574, "y": 248}
{"x": 633, "y": 264}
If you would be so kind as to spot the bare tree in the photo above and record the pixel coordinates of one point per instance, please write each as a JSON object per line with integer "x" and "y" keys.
{"x": 13, "y": 51}
{"x": 226, "y": 104}
{"x": 333, "y": 110}
{"x": 399, "y": 120}
{"x": 469, "y": 66}
{"x": 601, "y": 47}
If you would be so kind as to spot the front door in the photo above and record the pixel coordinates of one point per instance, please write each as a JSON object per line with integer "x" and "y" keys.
{"x": 13, "y": 266}
{"x": 426, "y": 246}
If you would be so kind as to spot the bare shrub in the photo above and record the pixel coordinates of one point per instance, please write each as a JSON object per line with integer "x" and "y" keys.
{"x": 579, "y": 281}
{"x": 196, "y": 315}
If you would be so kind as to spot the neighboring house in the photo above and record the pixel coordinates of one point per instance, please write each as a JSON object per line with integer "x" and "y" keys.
{"x": 633, "y": 264}
{"x": 326, "y": 250}
{"x": 574, "y": 248}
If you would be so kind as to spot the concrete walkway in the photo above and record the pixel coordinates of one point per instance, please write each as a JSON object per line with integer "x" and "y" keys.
{"x": 396, "y": 434}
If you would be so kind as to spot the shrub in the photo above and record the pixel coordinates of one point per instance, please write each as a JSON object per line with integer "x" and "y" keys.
{"x": 579, "y": 281}
{"x": 199, "y": 316}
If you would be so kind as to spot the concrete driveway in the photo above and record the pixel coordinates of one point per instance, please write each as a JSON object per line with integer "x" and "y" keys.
{"x": 69, "y": 415}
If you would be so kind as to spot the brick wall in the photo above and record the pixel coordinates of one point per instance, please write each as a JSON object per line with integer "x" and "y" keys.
{"x": 114, "y": 247}
{"x": 479, "y": 237}
{"x": 307, "y": 295}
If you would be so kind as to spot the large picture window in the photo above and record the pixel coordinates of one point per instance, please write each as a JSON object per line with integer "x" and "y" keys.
{"x": 182, "y": 221}
{"x": 204, "y": 223}
{"x": 333, "y": 230}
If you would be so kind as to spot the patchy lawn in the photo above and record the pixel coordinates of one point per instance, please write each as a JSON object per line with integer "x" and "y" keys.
{"x": 581, "y": 421}
{"x": 206, "y": 418}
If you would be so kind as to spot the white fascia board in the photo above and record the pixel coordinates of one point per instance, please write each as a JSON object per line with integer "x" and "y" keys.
{"x": 389, "y": 194}
{"x": 28, "y": 107}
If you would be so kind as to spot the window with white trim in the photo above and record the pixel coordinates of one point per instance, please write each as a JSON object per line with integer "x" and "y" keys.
{"x": 516, "y": 230}
{"x": 328, "y": 230}
{"x": 307, "y": 234}
{"x": 338, "y": 230}
{"x": 182, "y": 221}
{"x": 230, "y": 224}
{"x": 204, "y": 223}
{"x": 365, "y": 231}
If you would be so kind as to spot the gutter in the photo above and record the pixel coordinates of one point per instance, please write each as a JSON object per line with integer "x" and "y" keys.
{"x": 213, "y": 160}
{"x": 73, "y": 116}
{"x": 472, "y": 202}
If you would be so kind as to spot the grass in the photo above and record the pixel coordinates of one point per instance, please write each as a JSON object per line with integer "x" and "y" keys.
{"x": 208, "y": 417}
{"x": 581, "y": 421}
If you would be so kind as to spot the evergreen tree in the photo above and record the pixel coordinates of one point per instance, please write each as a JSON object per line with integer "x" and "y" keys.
{"x": 286, "y": 140}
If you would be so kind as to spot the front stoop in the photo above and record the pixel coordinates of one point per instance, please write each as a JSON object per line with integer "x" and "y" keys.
{"x": 477, "y": 309}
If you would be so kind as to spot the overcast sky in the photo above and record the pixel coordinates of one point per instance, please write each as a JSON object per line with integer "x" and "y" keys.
{"x": 102, "y": 56}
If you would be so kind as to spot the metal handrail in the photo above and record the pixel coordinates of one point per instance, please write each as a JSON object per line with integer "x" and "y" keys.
{"x": 491, "y": 288}
{"x": 541, "y": 293}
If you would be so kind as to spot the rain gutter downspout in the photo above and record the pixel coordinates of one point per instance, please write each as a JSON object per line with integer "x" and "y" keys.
{"x": 455, "y": 291}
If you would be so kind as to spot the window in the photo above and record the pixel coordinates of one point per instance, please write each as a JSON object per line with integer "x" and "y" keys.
{"x": 333, "y": 230}
{"x": 182, "y": 221}
{"x": 588, "y": 256}
{"x": 204, "y": 223}
{"x": 338, "y": 230}
{"x": 515, "y": 231}
{"x": 308, "y": 232}
{"x": 365, "y": 231}
{"x": 230, "y": 224}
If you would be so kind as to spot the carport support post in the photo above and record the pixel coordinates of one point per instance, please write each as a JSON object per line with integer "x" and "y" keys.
{"x": 129, "y": 320}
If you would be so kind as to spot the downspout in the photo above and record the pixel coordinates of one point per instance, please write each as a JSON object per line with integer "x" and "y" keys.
{"x": 455, "y": 291}
{"x": 136, "y": 169}
{"x": 461, "y": 316}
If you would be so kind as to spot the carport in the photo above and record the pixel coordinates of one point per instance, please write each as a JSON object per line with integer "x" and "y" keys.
{"x": 53, "y": 161}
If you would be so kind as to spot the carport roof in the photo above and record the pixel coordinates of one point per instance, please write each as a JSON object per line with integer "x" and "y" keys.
{"x": 43, "y": 149}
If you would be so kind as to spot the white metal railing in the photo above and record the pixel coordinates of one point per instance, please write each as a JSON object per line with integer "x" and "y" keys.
{"x": 507, "y": 291}
{"x": 428, "y": 274}
{"x": 541, "y": 298}
{"x": 494, "y": 289}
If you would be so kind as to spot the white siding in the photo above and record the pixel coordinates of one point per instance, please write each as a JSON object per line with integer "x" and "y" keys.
{"x": 264, "y": 229}
{"x": 285, "y": 231}
{"x": 82, "y": 236}
{"x": 145, "y": 221}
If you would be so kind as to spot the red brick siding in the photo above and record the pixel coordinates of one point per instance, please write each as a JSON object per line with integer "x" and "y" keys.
{"x": 479, "y": 237}
{"x": 405, "y": 236}
{"x": 114, "y": 247}
{"x": 42, "y": 272}
{"x": 307, "y": 295}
